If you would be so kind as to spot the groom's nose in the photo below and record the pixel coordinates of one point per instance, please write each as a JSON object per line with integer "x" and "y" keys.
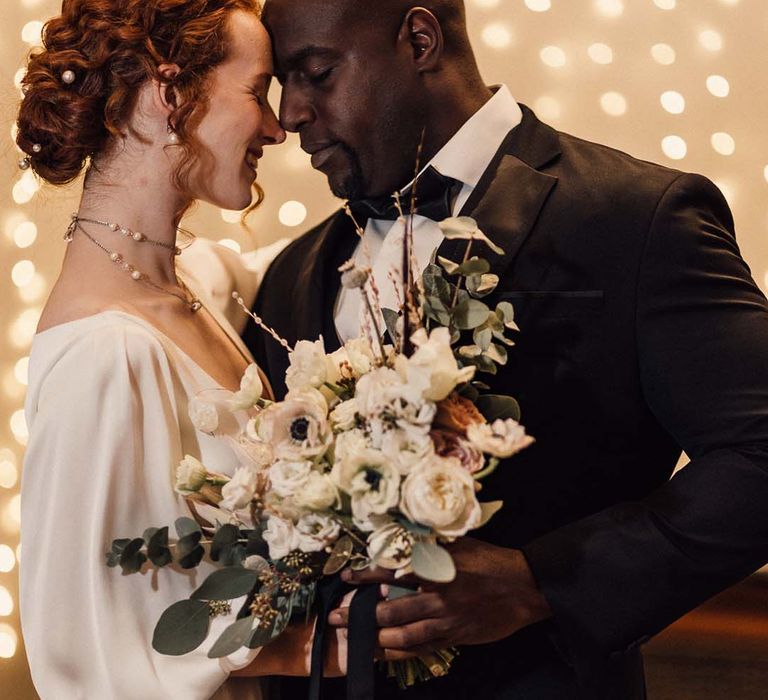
{"x": 296, "y": 111}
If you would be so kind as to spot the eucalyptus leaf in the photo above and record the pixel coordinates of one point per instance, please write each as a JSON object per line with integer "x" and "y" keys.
{"x": 391, "y": 318}
{"x": 435, "y": 309}
{"x": 432, "y": 562}
{"x": 415, "y": 528}
{"x": 495, "y": 406}
{"x": 396, "y": 592}
{"x": 226, "y": 536}
{"x": 437, "y": 286}
{"x": 226, "y": 584}
{"x": 498, "y": 353}
{"x": 232, "y": 638}
{"x": 181, "y": 628}
{"x": 482, "y": 285}
{"x": 448, "y": 265}
{"x": 186, "y": 526}
{"x": 149, "y": 533}
{"x": 470, "y": 351}
{"x": 188, "y": 550}
{"x": 470, "y": 314}
{"x": 469, "y": 391}
{"x": 157, "y": 548}
{"x": 488, "y": 510}
{"x": 506, "y": 313}
{"x": 256, "y": 544}
{"x": 113, "y": 556}
{"x": 132, "y": 558}
{"x": 482, "y": 337}
{"x": 339, "y": 556}
{"x": 474, "y": 266}
{"x": 261, "y": 636}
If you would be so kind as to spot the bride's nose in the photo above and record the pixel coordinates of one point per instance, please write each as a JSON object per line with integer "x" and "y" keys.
{"x": 272, "y": 132}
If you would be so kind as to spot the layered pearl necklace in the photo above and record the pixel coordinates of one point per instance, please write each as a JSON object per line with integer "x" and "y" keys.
{"x": 189, "y": 299}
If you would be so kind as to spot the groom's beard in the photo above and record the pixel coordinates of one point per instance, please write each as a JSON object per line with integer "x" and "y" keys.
{"x": 353, "y": 185}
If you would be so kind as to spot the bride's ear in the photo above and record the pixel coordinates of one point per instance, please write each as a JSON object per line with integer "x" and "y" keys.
{"x": 164, "y": 95}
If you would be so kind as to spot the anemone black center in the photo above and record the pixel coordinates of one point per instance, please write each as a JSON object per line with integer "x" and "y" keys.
{"x": 373, "y": 478}
{"x": 299, "y": 429}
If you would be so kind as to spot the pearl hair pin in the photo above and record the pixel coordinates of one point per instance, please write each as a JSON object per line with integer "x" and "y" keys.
{"x": 24, "y": 163}
{"x": 68, "y": 77}
{"x": 173, "y": 138}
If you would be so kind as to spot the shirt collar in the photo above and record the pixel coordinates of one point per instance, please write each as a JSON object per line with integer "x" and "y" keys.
{"x": 469, "y": 152}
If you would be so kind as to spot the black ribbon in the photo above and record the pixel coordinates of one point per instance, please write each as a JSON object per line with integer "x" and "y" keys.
{"x": 361, "y": 637}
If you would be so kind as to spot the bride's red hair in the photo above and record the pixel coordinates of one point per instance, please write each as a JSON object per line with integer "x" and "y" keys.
{"x": 113, "y": 47}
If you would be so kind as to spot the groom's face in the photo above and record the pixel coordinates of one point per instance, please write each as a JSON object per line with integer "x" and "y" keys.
{"x": 348, "y": 91}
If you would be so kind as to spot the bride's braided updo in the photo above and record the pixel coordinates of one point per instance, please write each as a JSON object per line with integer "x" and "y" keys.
{"x": 80, "y": 88}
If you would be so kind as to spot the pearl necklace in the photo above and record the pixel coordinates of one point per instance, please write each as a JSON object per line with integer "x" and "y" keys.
{"x": 189, "y": 299}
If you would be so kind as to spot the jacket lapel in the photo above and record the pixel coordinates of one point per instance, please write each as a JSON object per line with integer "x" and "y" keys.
{"x": 511, "y": 193}
{"x": 317, "y": 283}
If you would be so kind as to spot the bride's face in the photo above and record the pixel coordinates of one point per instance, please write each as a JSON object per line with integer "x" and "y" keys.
{"x": 239, "y": 121}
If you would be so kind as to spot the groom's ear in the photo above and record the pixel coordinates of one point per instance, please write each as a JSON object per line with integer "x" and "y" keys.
{"x": 423, "y": 32}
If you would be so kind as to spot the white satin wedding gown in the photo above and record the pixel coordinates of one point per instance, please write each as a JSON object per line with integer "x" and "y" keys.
{"x": 107, "y": 413}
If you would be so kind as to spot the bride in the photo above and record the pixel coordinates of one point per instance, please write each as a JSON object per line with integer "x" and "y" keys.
{"x": 163, "y": 102}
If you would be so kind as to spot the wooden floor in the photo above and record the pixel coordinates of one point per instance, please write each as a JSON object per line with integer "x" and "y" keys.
{"x": 718, "y": 652}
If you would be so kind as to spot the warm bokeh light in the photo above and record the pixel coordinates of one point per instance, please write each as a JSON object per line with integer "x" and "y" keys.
{"x": 6, "y": 600}
{"x": 718, "y": 86}
{"x": 553, "y": 56}
{"x": 9, "y": 475}
{"x": 723, "y": 143}
{"x": 674, "y": 147}
{"x": 673, "y": 102}
{"x": 292, "y": 214}
{"x": 663, "y": 54}
{"x": 8, "y": 641}
{"x": 601, "y": 53}
{"x": 614, "y": 103}
{"x": 7, "y": 559}
{"x": 497, "y": 36}
{"x": 711, "y": 40}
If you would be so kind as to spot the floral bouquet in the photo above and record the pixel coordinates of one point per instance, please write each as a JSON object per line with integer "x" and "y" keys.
{"x": 374, "y": 458}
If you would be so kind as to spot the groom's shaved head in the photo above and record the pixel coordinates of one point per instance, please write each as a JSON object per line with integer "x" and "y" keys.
{"x": 361, "y": 80}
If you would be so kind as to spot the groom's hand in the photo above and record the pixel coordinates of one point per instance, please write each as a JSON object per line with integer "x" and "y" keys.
{"x": 493, "y": 595}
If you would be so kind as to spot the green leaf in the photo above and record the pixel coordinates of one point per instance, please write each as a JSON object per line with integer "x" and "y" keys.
{"x": 506, "y": 313}
{"x": 482, "y": 285}
{"x": 149, "y": 533}
{"x": 132, "y": 558}
{"x": 474, "y": 266}
{"x": 261, "y": 636}
{"x": 470, "y": 314}
{"x": 181, "y": 628}
{"x": 157, "y": 548}
{"x": 435, "y": 309}
{"x": 495, "y": 406}
{"x": 437, "y": 286}
{"x": 391, "y": 317}
{"x": 488, "y": 510}
{"x": 226, "y": 584}
{"x": 189, "y": 551}
{"x": 498, "y": 353}
{"x": 432, "y": 563}
{"x": 232, "y": 638}
{"x": 396, "y": 592}
{"x": 469, "y": 391}
{"x": 339, "y": 555}
{"x": 186, "y": 526}
{"x": 415, "y": 528}
{"x": 113, "y": 556}
{"x": 482, "y": 337}
{"x": 226, "y": 536}
{"x": 448, "y": 265}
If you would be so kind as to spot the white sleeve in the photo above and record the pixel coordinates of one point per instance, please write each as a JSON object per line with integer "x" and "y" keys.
{"x": 104, "y": 439}
{"x": 217, "y": 271}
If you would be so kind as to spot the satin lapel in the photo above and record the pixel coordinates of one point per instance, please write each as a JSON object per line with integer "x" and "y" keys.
{"x": 511, "y": 193}
{"x": 317, "y": 284}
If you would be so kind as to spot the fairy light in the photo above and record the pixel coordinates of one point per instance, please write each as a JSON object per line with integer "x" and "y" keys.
{"x": 19, "y": 427}
{"x": 6, "y": 600}
{"x": 663, "y": 54}
{"x": 9, "y": 474}
{"x": 7, "y": 559}
{"x": 25, "y": 234}
{"x": 614, "y": 104}
{"x": 231, "y": 244}
{"x": 723, "y": 143}
{"x": 673, "y": 102}
{"x": 711, "y": 40}
{"x": 718, "y": 86}
{"x": 21, "y": 371}
{"x": 665, "y": 4}
{"x": 31, "y": 32}
{"x": 292, "y": 213}
{"x": 8, "y": 641}
{"x": 538, "y": 5}
{"x": 548, "y": 108}
{"x": 674, "y": 147}
{"x": 497, "y": 36}
{"x": 601, "y": 54}
{"x": 23, "y": 273}
{"x": 230, "y": 215}
{"x": 609, "y": 8}
{"x": 553, "y": 56}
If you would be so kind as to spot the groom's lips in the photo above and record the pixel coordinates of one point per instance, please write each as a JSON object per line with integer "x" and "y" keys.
{"x": 321, "y": 152}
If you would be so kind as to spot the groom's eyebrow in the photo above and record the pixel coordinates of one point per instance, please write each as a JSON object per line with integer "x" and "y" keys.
{"x": 311, "y": 51}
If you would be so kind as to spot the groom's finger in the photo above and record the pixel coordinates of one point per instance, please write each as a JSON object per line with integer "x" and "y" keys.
{"x": 424, "y": 633}
{"x": 393, "y": 613}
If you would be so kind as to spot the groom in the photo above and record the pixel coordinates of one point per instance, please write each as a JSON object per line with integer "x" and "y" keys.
{"x": 642, "y": 334}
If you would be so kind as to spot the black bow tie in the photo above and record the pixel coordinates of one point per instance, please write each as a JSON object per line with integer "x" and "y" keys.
{"x": 434, "y": 196}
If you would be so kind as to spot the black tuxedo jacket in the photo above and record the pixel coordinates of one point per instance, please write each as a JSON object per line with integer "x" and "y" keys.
{"x": 642, "y": 334}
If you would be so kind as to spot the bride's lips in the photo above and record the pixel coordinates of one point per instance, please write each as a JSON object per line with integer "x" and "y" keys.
{"x": 321, "y": 153}
{"x": 252, "y": 159}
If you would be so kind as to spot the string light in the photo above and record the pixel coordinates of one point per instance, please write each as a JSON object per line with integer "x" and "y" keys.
{"x": 8, "y": 641}
{"x": 292, "y": 213}
{"x": 231, "y": 244}
{"x": 7, "y": 559}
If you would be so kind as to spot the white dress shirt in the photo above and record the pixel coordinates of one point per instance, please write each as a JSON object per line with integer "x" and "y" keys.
{"x": 464, "y": 158}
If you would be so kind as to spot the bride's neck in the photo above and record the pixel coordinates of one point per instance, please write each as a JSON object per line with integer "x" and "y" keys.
{"x": 126, "y": 190}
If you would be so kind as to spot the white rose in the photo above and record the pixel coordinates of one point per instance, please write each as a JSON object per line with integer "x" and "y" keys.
{"x": 359, "y": 355}
{"x": 319, "y": 492}
{"x": 288, "y": 478}
{"x": 440, "y": 494}
{"x": 239, "y": 491}
{"x": 257, "y": 452}
{"x": 350, "y": 443}
{"x": 316, "y": 531}
{"x": 391, "y": 546}
{"x": 433, "y": 367}
{"x": 344, "y": 416}
{"x": 251, "y": 389}
{"x": 308, "y": 365}
{"x": 281, "y": 537}
{"x": 203, "y": 414}
{"x": 502, "y": 438}
{"x": 371, "y": 480}
{"x": 406, "y": 449}
{"x": 190, "y": 475}
{"x": 380, "y": 389}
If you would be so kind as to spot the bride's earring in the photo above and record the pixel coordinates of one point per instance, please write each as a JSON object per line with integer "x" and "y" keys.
{"x": 173, "y": 137}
